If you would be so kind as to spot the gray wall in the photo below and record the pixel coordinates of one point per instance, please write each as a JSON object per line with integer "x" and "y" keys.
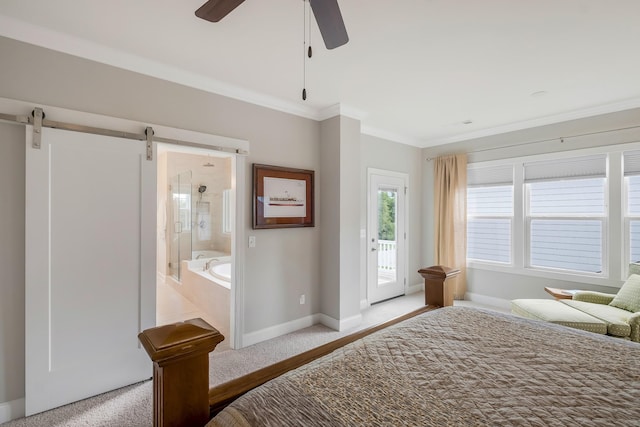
{"x": 339, "y": 201}
{"x": 284, "y": 264}
{"x": 382, "y": 154}
{"x": 349, "y": 217}
{"x": 12, "y": 186}
{"x": 576, "y": 134}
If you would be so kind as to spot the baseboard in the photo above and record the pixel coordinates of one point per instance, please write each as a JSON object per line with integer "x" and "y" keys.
{"x": 412, "y": 289}
{"x": 11, "y": 410}
{"x": 502, "y": 303}
{"x": 278, "y": 330}
{"x": 341, "y": 325}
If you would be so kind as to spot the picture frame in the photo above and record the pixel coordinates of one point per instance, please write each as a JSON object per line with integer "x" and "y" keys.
{"x": 282, "y": 197}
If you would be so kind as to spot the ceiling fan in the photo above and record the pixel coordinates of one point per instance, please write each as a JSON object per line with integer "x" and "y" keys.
{"x": 326, "y": 12}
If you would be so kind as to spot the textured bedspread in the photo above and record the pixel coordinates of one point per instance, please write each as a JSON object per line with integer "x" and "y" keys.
{"x": 456, "y": 367}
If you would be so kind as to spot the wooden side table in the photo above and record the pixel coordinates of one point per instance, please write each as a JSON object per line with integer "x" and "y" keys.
{"x": 180, "y": 355}
{"x": 438, "y": 290}
{"x": 559, "y": 293}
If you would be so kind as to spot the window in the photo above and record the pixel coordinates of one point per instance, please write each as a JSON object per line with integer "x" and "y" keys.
{"x": 566, "y": 214}
{"x": 632, "y": 211}
{"x": 490, "y": 214}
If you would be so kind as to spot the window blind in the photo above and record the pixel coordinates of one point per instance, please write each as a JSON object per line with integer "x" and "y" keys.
{"x": 502, "y": 175}
{"x": 573, "y": 168}
{"x": 631, "y": 161}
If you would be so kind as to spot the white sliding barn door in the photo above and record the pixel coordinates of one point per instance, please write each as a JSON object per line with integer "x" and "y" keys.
{"x": 90, "y": 265}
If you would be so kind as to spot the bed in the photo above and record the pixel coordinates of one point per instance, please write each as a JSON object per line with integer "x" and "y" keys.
{"x": 455, "y": 366}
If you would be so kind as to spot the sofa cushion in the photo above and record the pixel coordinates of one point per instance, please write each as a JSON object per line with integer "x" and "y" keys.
{"x": 555, "y": 312}
{"x": 617, "y": 319}
{"x": 628, "y": 297}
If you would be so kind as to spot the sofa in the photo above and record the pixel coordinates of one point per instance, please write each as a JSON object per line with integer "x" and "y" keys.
{"x": 617, "y": 315}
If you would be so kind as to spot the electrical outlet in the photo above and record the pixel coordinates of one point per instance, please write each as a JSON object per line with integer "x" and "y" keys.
{"x": 252, "y": 241}
{"x": 302, "y": 299}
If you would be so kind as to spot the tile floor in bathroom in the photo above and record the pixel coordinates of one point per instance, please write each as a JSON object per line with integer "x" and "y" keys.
{"x": 172, "y": 307}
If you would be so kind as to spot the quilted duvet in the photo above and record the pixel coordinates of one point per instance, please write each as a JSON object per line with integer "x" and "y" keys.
{"x": 456, "y": 366}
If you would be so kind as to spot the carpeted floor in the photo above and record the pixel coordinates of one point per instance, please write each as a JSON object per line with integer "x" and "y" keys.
{"x": 132, "y": 406}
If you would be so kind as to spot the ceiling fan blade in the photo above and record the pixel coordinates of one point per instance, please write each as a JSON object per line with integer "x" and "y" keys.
{"x": 215, "y": 10}
{"x": 329, "y": 19}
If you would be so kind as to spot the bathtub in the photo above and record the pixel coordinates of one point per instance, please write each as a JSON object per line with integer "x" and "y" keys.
{"x": 212, "y": 295}
{"x": 219, "y": 269}
{"x": 197, "y": 255}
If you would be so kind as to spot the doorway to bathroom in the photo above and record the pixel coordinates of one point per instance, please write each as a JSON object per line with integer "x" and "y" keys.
{"x": 195, "y": 237}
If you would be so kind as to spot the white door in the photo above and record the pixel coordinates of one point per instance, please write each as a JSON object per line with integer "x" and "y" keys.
{"x": 386, "y": 240}
{"x": 90, "y": 265}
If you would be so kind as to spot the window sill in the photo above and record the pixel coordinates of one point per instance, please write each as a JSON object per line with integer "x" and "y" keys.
{"x": 546, "y": 274}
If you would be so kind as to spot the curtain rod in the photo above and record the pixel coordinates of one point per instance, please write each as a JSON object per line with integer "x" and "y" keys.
{"x": 560, "y": 138}
{"x": 30, "y": 120}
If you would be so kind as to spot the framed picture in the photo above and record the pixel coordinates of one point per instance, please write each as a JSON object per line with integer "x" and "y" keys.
{"x": 282, "y": 197}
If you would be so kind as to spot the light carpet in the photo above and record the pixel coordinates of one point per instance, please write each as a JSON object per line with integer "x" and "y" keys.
{"x": 132, "y": 406}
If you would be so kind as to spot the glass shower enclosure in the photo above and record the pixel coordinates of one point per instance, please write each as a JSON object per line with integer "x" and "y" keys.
{"x": 180, "y": 239}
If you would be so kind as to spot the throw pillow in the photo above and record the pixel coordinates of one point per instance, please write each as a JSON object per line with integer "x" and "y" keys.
{"x": 628, "y": 298}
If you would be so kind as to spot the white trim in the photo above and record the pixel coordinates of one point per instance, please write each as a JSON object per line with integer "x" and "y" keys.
{"x": 160, "y": 276}
{"x": 341, "y": 325}
{"x": 364, "y": 304}
{"x": 11, "y": 410}
{"x": 402, "y": 248}
{"x": 614, "y": 261}
{"x": 340, "y": 110}
{"x": 501, "y": 303}
{"x": 238, "y": 252}
{"x": 281, "y": 329}
{"x": 26, "y": 32}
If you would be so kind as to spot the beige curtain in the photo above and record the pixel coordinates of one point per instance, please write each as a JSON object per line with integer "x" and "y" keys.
{"x": 450, "y": 195}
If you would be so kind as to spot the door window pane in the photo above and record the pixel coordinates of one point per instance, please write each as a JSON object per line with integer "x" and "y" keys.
{"x": 387, "y": 241}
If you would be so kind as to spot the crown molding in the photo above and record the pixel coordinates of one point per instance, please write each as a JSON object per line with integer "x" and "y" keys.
{"x": 25, "y": 32}
{"x": 541, "y": 121}
{"x": 341, "y": 110}
{"x": 391, "y": 136}
{"x": 54, "y": 40}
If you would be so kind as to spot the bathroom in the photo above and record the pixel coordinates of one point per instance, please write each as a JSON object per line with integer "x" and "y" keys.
{"x": 195, "y": 217}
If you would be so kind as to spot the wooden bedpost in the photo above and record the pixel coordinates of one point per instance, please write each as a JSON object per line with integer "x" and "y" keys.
{"x": 180, "y": 355}
{"x": 438, "y": 290}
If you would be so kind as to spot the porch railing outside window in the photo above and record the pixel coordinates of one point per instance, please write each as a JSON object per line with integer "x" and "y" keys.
{"x": 387, "y": 255}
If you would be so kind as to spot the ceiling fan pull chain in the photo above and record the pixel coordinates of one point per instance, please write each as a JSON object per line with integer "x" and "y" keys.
{"x": 309, "y": 51}
{"x": 304, "y": 45}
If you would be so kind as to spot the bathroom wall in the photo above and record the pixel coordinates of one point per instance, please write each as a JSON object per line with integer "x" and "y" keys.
{"x": 206, "y": 208}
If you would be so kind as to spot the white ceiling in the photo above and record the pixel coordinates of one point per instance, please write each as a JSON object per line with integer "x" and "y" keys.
{"x": 413, "y": 70}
